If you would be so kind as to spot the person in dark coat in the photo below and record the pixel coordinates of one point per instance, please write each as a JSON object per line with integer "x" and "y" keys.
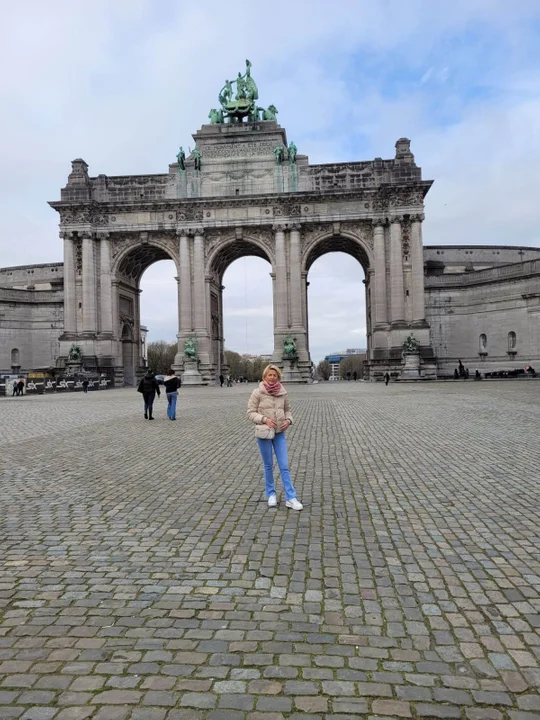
{"x": 149, "y": 386}
{"x": 85, "y": 384}
{"x": 221, "y": 380}
{"x": 386, "y": 378}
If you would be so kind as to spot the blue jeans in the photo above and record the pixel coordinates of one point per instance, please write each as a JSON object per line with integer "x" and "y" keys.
{"x": 171, "y": 405}
{"x": 279, "y": 444}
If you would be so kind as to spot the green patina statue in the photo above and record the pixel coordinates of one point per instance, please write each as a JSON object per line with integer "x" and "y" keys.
{"x": 411, "y": 344}
{"x": 190, "y": 348}
{"x": 196, "y": 157}
{"x": 289, "y": 348}
{"x": 75, "y": 353}
{"x": 244, "y": 104}
{"x": 270, "y": 114}
{"x": 216, "y": 116}
{"x": 279, "y": 154}
{"x": 292, "y": 153}
{"x": 181, "y": 158}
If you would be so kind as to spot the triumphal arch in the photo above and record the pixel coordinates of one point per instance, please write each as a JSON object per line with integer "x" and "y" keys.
{"x": 242, "y": 190}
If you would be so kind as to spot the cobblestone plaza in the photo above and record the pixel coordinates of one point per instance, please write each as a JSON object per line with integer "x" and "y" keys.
{"x": 144, "y": 578}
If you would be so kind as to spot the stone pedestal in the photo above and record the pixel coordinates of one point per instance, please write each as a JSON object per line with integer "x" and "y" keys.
{"x": 411, "y": 366}
{"x": 73, "y": 368}
{"x": 291, "y": 372}
{"x": 191, "y": 374}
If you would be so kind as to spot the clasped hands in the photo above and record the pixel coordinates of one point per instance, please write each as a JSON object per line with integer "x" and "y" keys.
{"x": 273, "y": 424}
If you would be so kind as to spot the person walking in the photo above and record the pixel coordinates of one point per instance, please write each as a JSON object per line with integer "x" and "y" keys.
{"x": 269, "y": 409}
{"x": 221, "y": 380}
{"x": 172, "y": 383}
{"x": 85, "y": 385}
{"x": 386, "y": 378}
{"x": 149, "y": 386}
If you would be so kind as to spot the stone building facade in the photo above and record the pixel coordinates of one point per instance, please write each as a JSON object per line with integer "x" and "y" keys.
{"x": 235, "y": 199}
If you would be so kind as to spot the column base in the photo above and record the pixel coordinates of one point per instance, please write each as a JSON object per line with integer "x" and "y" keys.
{"x": 191, "y": 374}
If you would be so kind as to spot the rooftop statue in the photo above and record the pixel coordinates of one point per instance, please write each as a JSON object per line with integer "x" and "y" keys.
{"x": 279, "y": 154}
{"x": 244, "y": 104}
{"x": 181, "y": 157}
{"x": 292, "y": 153}
{"x": 197, "y": 155}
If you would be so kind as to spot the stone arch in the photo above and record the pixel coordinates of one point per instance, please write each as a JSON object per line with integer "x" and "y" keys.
{"x": 345, "y": 241}
{"x": 137, "y": 256}
{"x": 357, "y": 245}
{"x": 228, "y": 250}
{"x": 220, "y": 257}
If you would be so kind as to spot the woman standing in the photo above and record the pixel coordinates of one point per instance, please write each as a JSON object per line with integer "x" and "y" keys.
{"x": 149, "y": 386}
{"x": 269, "y": 409}
{"x": 172, "y": 383}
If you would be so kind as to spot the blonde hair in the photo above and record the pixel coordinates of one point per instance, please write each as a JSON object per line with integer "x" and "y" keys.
{"x": 272, "y": 367}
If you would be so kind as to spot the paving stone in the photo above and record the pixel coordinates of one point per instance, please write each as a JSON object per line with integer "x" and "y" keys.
{"x": 171, "y": 593}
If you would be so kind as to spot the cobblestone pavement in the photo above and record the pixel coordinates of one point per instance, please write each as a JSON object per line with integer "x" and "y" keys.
{"x": 144, "y": 578}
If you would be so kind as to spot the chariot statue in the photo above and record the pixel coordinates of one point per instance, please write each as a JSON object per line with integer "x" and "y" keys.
{"x": 235, "y": 106}
{"x": 411, "y": 344}
{"x": 190, "y": 349}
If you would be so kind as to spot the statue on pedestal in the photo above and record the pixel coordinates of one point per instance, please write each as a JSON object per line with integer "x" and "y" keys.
{"x": 75, "y": 354}
{"x": 197, "y": 155}
{"x": 190, "y": 349}
{"x": 279, "y": 154}
{"x": 181, "y": 157}
{"x": 293, "y": 150}
{"x": 411, "y": 345}
{"x": 289, "y": 348}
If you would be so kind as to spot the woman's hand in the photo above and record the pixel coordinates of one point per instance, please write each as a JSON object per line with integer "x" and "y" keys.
{"x": 286, "y": 425}
{"x": 270, "y": 423}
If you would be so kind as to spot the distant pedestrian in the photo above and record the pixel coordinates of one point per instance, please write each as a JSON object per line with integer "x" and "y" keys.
{"x": 270, "y": 410}
{"x": 221, "y": 380}
{"x": 149, "y": 386}
{"x": 85, "y": 385}
{"x": 456, "y": 374}
{"x": 172, "y": 383}
{"x": 355, "y": 376}
{"x": 20, "y": 385}
{"x": 386, "y": 378}
{"x": 348, "y": 376}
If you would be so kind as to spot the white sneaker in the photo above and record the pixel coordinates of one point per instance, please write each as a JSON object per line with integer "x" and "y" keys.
{"x": 272, "y": 500}
{"x": 294, "y": 504}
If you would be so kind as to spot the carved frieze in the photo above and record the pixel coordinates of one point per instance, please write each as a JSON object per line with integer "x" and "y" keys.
{"x": 230, "y": 150}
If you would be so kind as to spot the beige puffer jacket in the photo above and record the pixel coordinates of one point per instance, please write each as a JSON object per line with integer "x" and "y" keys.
{"x": 263, "y": 405}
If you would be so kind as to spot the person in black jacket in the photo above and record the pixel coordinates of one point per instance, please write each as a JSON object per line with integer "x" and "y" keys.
{"x": 149, "y": 386}
{"x": 172, "y": 383}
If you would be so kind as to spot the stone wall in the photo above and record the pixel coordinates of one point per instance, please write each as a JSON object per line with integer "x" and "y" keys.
{"x": 495, "y": 302}
{"x": 31, "y": 322}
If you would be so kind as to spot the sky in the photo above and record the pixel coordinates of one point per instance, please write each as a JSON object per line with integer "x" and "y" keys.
{"x": 122, "y": 84}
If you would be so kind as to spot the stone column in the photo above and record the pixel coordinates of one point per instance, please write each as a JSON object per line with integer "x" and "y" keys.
{"x": 115, "y": 313}
{"x": 106, "y": 309}
{"x": 396, "y": 272}
{"x": 89, "y": 284}
{"x": 281, "y": 323}
{"x": 379, "y": 290}
{"x": 281, "y": 280}
{"x": 200, "y": 322}
{"x": 70, "y": 299}
{"x": 186, "y": 323}
{"x": 295, "y": 278}
{"x": 417, "y": 263}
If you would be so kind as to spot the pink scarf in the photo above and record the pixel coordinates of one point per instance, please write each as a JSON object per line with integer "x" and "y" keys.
{"x": 273, "y": 389}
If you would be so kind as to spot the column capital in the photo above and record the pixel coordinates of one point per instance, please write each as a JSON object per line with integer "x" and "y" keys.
{"x": 378, "y": 223}
{"x": 295, "y": 226}
{"x": 181, "y": 232}
{"x": 103, "y": 235}
{"x": 199, "y": 231}
{"x": 66, "y": 234}
{"x": 396, "y": 219}
{"x": 278, "y": 227}
{"x": 417, "y": 217}
{"x": 86, "y": 235}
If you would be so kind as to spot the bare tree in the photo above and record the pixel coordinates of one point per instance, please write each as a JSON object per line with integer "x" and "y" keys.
{"x": 161, "y": 356}
{"x": 324, "y": 370}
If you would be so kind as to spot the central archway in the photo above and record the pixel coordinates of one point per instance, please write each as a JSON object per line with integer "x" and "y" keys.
{"x": 218, "y": 264}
